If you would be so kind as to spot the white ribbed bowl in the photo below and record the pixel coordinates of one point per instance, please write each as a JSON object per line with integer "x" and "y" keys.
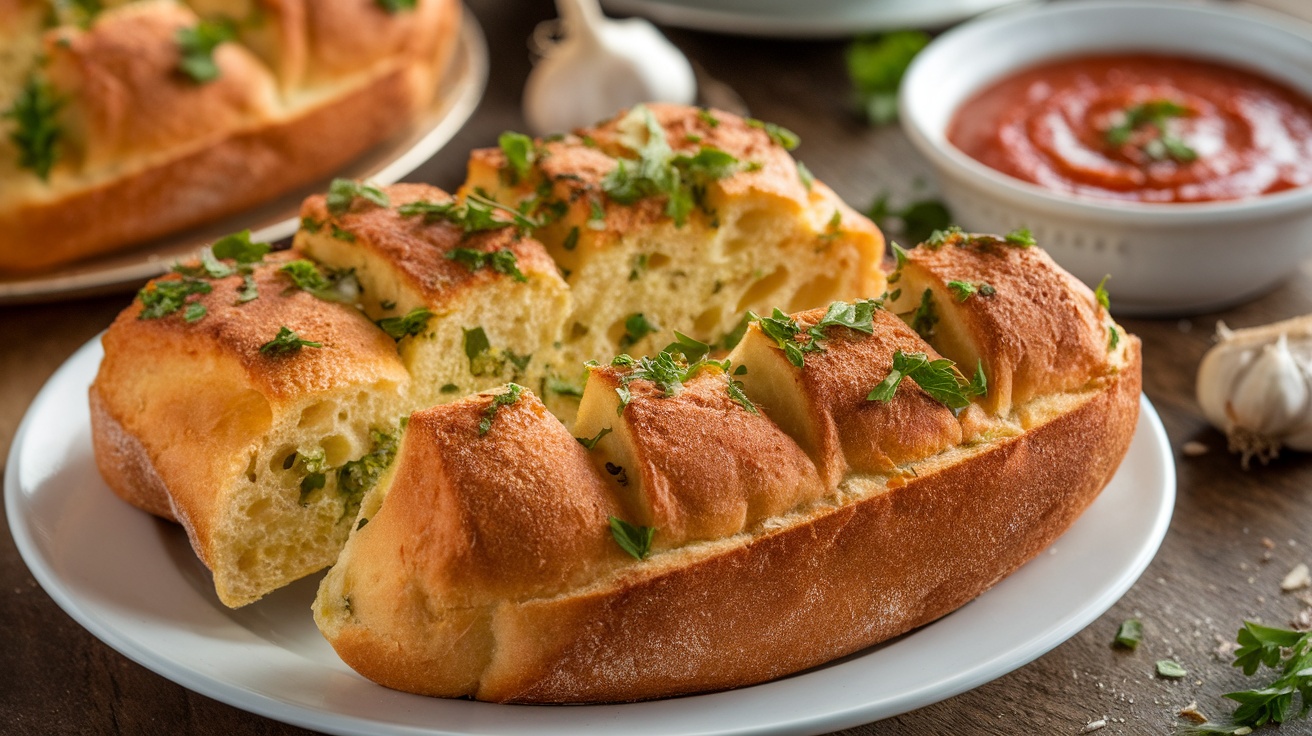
{"x": 1164, "y": 259}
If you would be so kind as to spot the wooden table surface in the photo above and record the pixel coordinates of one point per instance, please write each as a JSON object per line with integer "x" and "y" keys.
{"x": 1210, "y": 574}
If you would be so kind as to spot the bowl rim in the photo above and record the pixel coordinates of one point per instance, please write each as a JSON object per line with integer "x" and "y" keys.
{"x": 949, "y": 158}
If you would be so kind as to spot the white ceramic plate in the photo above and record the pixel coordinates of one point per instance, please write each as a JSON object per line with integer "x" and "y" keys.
{"x": 134, "y": 582}
{"x": 815, "y": 19}
{"x": 461, "y": 87}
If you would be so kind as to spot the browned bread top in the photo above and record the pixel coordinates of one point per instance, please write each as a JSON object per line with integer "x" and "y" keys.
{"x": 576, "y": 167}
{"x": 824, "y": 403}
{"x": 234, "y": 331}
{"x": 126, "y": 97}
{"x": 1037, "y": 329}
{"x": 516, "y": 510}
{"x": 697, "y": 465}
{"x": 418, "y": 248}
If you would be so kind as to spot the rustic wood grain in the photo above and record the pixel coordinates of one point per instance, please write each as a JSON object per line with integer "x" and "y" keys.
{"x": 55, "y": 678}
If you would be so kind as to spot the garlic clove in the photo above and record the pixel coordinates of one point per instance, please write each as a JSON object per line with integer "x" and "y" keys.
{"x": 600, "y": 67}
{"x": 1271, "y": 396}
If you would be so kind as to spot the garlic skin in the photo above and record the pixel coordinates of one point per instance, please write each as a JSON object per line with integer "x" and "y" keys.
{"x": 1256, "y": 386}
{"x": 601, "y": 67}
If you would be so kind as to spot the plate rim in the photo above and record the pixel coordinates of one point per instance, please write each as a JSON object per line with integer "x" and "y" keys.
{"x": 252, "y": 700}
{"x": 844, "y": 21}
{"x": 67, "y": 282}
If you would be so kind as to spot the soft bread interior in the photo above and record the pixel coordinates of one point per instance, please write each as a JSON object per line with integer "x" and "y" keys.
{"x": 759, "y": 238}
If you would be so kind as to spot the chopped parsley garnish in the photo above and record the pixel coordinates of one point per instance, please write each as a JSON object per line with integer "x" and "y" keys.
{"x": 938, "y": 378}
{"x": 79, "y": 12}
{"x": 1289, "y": 653}
{"x": 636, "y": 540}
{"x": 636, "y": 327}
{"x": 358, "y": 476}
{"x": 925, "y": 318}
{"x": 484, "y": 360}
{"x": 518, "y": 149}
{"x": 1170, "y": 668}
{"x": 414, "y": 322}
{"x": 591, "y": 442}
{"x": 162, "y": 298}
{"x": 1129, "y": 634}
{"x": 209, "y": 268}
{"x": 781, "y": 136}
{"x": 681, "y": 179}
{"x": 735, "y": 336}
{"x": 194, "y": 311}
{"x": 571, "y": 240}
{"x": 342, "y": 194}
{"x": 966, "y": 289}
{"x": 502, "y": 261}
{"x": 640, "y": 262}
{"x": 561, "y": 387}
{"x": 735, "y": 388}
{"x": 1020, "y": 237}
{"x": 286, "y": 343}
{"x": 248, "y": 292}
{"x": 196, "y": 46}
{"x": 1113, "y": 338}
{"x": 1157, "y": 114}
{"x": 309, "y": 224}
{"x": 707, "y": 117}
{"x": 507, "y": 397}
{"x": 596, "y": 215}
{"x": 785, "y": 330}
{"x": 477, "y": 213}
{"x": 335, "y": 286}
{"x": 805, "y": 176}
{"x": 341, "y": 234}
{"x": 876, "y": 65}
{"x": 834, "y": 228}
{"x": 396, "y": 6}
{"x": 238, "y": 247}
{"x": 36, "y": 132}
{"x": 1100, "y": 293}
{"x": 691, "y": 348}
{"x": 449, "y": 388}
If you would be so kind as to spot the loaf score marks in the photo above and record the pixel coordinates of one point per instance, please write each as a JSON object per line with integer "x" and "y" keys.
{"x": 463, "y": 296}
{"x": 744, "y": 490}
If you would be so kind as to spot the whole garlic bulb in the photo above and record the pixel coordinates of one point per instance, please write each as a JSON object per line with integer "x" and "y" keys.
{"x": 600, "y": 67}
{"x": 1255, "y": 385}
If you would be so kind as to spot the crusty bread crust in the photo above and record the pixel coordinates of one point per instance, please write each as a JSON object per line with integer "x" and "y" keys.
{"x": 191, "y": 185}
{"x": 839, "y": 581}
{"x": 124, "y": 463}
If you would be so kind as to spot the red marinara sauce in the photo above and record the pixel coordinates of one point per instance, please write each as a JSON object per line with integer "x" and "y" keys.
{"x": 1141, "y": 127}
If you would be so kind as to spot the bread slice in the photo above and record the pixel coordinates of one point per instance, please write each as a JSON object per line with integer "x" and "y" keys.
{"x": 263, "y": 456}
{"x": 824, "y": 405}
{"x": 487, "y": 326}
{"x": 749, "y": 229}
{"x": 493, "y": 501}
{"x": 703, "y": 463}
{"x": 982, "y": 300}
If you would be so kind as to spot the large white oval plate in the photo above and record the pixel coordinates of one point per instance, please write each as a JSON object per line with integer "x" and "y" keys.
{"x": 134, "y": 582}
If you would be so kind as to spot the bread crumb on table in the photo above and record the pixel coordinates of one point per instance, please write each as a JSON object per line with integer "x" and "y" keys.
{"x": 1092, "y": 726}
{"x": 1298, "y": 578}
{"x": 1194, "y": 448}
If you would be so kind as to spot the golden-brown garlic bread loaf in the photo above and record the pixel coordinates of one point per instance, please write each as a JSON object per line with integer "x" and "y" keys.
{"x": 674, "y": 218}
{"x": 927, "y": 492}
{"x": 250, "y": 411}
{"x": 124, "y": 121}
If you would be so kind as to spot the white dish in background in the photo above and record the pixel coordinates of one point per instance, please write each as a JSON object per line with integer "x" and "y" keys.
{"x": 134, "y": 582}
{"x": 461, "y": 88}
{"x": 1164, "y": 259}
{"x": 814, "y": 19}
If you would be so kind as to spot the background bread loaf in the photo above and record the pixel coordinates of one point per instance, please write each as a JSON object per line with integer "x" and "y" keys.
{"x": 132, "y": 145}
